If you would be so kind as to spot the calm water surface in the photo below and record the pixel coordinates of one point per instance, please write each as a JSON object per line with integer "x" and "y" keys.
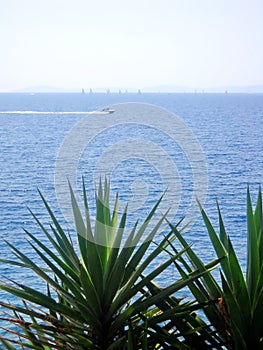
{"x": 228, "y": 127}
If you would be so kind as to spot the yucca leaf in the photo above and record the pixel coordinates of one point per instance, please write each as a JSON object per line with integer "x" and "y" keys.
{"x": 198, "y": 289}
{"x": 62, "y": 275}
{"x": 211, "y": 285}
{"x": 88, "y": 249}
{"x": 39, "y": 298}
{"x": 204, "y": 289}
{"x": 163, "y": 339}
{"x": 253, "y": 267}
{"x": 34, "y": 340}
{"x": 88, "y": 305}
{"x": 238, "y": 338}
{"x": 138, "y": 306}
{"x": 66, "y": 244}
{"x": 238, "y": 283}
{"x": 135, "y": 273}
{"x": 140, "y": 253}
{"x": 210, "y": 309}
{"x": 120, "y": 343}
{"x": 80, "y": 227}
{"x": 87, "y": 214}
{"x": 144, "y": 340}
{"x": 146, "y": 222}
{"x": 257, "y": 311}
{"x": 222, "y": 233}
{"x": 22, "y": 345}
{"x": 44, "y": 275}
{"x": 53, "y": 257}
{"x": 114, "y": 218}
{"x": 6, "y": 343}
{"x": 62, "y": 246}
{"x": 56, "y": 333}
{"x": 232, "y": 314}
{"x": 156, "y": 272}
{"x": 92, "y": 298}
{"x": 117, "y": 273}
{"x": 13, "y": 262}
{"x": 199, "y": 292}
{"x": 115, "y": 249}
{"x": 219, "y": 247}
{"x": 258, "y": 219}
{"x": 178, "y": 312}
{"x": 131, "y": 341}
{"x": 27, "y": 311}
{"x": 102, "y": 225}
{"x": 169, "y": 303}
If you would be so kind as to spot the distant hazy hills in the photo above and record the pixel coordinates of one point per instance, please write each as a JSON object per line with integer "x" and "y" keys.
{"x": 171, "y": 88}
{"x": 157, "y": 88}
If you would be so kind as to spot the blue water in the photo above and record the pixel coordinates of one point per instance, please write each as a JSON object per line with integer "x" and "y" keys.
{"x": 229, "y": 129}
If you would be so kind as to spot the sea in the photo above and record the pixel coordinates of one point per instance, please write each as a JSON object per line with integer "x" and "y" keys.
{"x": 38, "y": 130}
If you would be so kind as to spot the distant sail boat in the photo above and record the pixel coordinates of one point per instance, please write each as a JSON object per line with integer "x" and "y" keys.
{"x": 83, "y": 91}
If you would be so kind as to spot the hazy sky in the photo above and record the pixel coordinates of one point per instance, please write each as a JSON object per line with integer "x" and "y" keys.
{"x": 132, "y": 43}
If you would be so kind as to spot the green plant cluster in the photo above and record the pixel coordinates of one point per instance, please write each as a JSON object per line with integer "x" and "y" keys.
{"x": 102, "y": 293}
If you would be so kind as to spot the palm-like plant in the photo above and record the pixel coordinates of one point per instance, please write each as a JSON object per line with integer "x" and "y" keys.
{"x": 103, "y": 295}
{"x": 236, "y": 317}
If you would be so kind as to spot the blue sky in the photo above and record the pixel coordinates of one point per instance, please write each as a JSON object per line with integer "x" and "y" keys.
{"x": 72, "y": 44}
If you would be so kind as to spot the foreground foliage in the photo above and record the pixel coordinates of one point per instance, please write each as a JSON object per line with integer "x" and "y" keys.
{"x": 102, "y": 294}
{"x": 242, "y": 297}
{"x": 237, "y": 317}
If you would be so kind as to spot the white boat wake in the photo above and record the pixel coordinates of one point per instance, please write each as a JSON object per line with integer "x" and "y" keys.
{"x": 105, "y": 111}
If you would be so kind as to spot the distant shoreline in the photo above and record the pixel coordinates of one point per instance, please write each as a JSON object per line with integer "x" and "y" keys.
{"x": 134, "y": 92}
